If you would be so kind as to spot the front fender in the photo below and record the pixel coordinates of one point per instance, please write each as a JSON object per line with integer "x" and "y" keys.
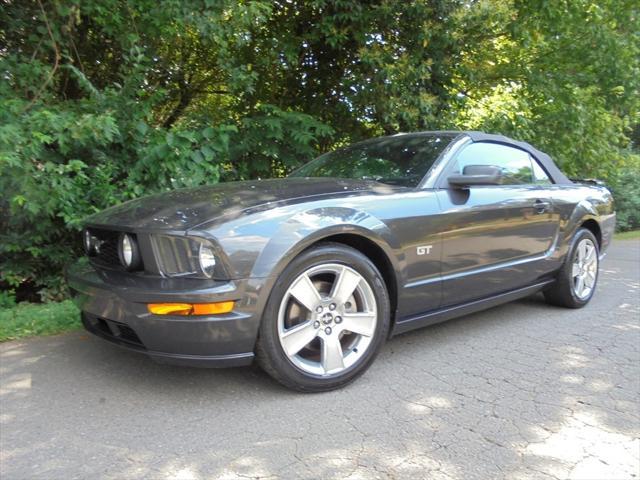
{"x": 306, "y": 228}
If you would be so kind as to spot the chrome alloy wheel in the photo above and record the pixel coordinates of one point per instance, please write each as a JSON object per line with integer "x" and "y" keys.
{"x": 327, "y": 319}
{"x": 585, "y": 269}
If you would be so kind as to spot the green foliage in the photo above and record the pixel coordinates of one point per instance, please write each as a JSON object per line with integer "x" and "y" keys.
{"x": 107, "y": 100}
{"x": 562, "y": 75}
{"x": 626, "y": 191}
{"x": 272, "y": 142}
{"x": 7, "y": 299}
{"x": 27, "y": 320}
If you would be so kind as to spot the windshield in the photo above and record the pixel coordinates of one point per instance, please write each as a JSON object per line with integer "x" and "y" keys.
{"x": 399, "y": 160}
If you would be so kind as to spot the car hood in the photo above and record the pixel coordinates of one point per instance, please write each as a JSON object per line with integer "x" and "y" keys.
{"x": 187, "y": 208}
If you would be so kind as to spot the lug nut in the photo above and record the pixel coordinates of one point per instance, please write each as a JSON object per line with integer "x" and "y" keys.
{"x": 338, "y": 319}
{"x": 316, "y": 324}
{"x": 332, "y": 306}
{"x": 347, "y": 305}
{"x": 319, "y": 309}
{"x": 327, "y": 330}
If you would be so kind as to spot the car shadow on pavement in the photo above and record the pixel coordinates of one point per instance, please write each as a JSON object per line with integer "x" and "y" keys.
{"x": 519, "y": 391}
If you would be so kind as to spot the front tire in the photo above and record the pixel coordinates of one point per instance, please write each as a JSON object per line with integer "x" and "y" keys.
{"x": 326, "y": 319}
{"x": 578, "y": 277}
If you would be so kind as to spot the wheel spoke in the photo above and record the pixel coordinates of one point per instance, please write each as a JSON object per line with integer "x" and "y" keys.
{"x": 590, "y": 279}
{"x": 585, "y": 252}
{"x": 298, "y": 337}
{"x": 575, "y": 270}
{"x": 361, "y": 323}
{"x": 332, "y": 358}
{"x": 580, "y": 285}
{"x": 582, "y": 251}
{"x": 589, "y": 253}
{"x": 305, "y": 292}
{"x": 344, "y": 285}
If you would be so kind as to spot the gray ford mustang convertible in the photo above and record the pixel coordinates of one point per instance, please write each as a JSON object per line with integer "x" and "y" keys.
{"x": 311, "y": 273}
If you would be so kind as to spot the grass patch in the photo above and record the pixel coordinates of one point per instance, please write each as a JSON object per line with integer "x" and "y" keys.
{"x": 631, "y": 235}
{"x": 29, "y": 319}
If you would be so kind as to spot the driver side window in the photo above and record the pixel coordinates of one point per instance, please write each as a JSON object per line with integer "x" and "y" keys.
{"x": 514, "y": 164}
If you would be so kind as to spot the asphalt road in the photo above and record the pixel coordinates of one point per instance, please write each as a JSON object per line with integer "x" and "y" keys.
{"x": 520, "y": 391}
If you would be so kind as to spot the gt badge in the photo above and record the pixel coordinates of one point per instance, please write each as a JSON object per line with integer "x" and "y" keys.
{"x": 424, "y": 250}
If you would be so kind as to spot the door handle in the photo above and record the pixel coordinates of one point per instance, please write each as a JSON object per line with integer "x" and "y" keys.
{"x": 541, "y": 206}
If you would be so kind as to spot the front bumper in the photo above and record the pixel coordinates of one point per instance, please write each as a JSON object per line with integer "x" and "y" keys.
{"x": 114, "y": 307}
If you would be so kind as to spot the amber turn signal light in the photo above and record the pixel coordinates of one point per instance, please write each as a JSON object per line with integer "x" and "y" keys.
{"x": 190, "y": 308}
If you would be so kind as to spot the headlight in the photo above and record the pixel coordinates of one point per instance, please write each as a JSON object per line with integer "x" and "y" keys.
{"x": 207, "y": 259}
{"x": 194, "y": 257}
{"x": 128, "y": 252}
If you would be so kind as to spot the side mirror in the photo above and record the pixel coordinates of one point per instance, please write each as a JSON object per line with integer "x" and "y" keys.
{"x": 476, "y": 175}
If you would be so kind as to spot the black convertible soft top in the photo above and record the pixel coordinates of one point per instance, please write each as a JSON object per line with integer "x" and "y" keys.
{"x": 547, "y": 163}
{"x": 545, "y": 160}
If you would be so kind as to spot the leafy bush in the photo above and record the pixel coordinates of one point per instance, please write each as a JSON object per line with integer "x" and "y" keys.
{"x": 7, "y": 299}
{"x": 626, "y": 192}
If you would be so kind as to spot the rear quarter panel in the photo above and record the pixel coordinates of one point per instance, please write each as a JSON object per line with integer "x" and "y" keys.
{"x": 578, "y": 203}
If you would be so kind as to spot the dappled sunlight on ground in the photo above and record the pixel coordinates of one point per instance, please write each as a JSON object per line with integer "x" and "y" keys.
{"x": 16, "y": 384}
{"x": 584, "y": 448}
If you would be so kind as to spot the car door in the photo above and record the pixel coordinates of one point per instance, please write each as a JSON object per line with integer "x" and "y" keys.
{"x": 496, "y": 237}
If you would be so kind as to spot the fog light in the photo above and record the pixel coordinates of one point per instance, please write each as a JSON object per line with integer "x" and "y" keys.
{"x": 190, "y": 308}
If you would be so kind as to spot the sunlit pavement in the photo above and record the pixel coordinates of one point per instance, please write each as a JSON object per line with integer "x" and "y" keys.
{"x": 521, "y": 391}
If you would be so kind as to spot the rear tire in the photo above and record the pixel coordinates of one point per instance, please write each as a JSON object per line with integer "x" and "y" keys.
{"x": 325, "y": 321}
{"x": 578, "y": 277}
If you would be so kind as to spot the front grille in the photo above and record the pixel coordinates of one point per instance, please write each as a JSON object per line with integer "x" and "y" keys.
{"x": 107, "y": 247}
{"x": 112, "y": 330}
